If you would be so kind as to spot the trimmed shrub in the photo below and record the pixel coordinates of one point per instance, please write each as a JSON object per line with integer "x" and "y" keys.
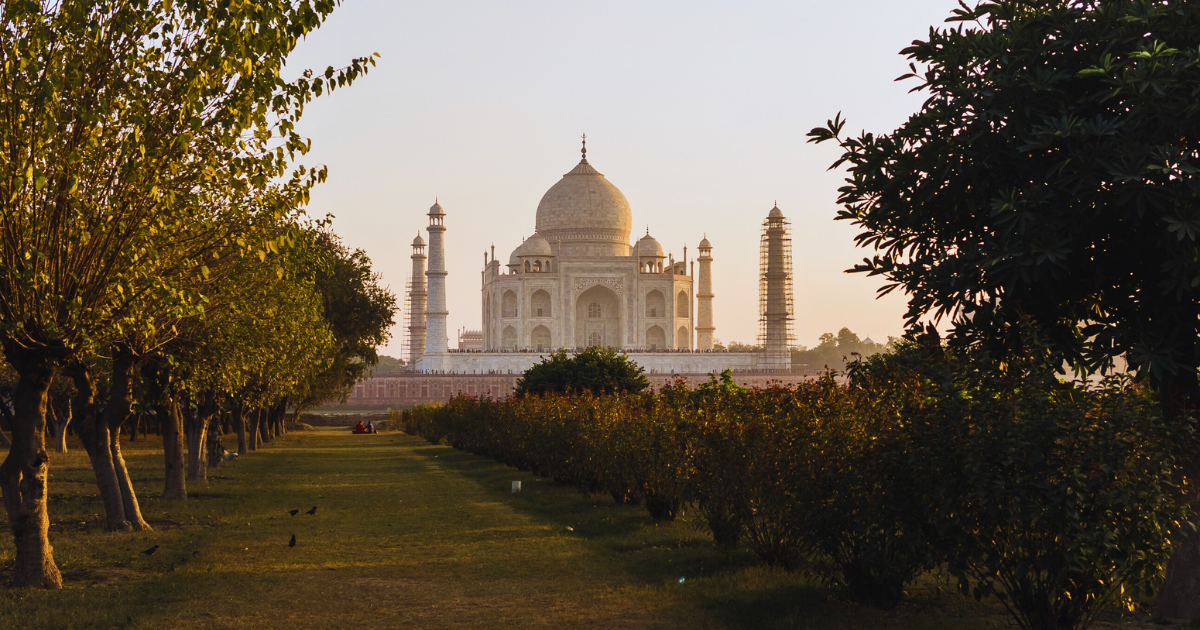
{"x": 1057, "y": 499}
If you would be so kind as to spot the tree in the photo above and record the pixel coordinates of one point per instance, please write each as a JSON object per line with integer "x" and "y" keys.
{"x": 1050, "y": 178}
{"x": 596, "y": 370}
{"x": 125, "y": 129}
{"x": 359, "y": 312}
{"x": 836, "y": 351}
{"x": 389, "y": 366}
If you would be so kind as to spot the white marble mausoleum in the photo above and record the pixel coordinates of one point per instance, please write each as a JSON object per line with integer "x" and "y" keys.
{"x": 577, "y": 282}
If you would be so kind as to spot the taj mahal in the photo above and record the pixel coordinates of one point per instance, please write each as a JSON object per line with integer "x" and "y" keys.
{"x": 577, "y": 282}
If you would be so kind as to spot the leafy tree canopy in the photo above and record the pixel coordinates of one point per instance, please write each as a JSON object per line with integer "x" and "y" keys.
{"x": 1050, "y": 177}
{"x": 597, "y": 370}
{"x": 388, "y": 366}
{"x": 735, "y": 346}
{"x": 359, "y": 312}
{"x": 834, "y": 351}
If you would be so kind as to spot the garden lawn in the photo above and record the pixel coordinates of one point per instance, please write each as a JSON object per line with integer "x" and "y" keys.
{"x": 409, "y": 535}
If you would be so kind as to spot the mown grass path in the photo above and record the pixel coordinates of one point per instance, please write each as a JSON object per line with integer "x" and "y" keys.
{"x": 409, "y": 535}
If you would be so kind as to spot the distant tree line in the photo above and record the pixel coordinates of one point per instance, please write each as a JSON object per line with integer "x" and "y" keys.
{"x": 836, "y": 351}
{"x": 833, "y": 351}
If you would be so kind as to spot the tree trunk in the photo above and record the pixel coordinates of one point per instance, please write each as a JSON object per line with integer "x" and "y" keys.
{"x": 23, "y": 478}
{"x": 264, "y": 425}
{"x": 133, "y": 429}
{"x": 278, "y": 412}
{"x": 239, "y": 425}
{"x": 116, "y": 412}
{"x": 60, "y": 428}
{"x": 93, "y": 433}
{"x": 256, "y": 429}
{"x": 6, "y": 416}
{"x": 174, "y": 487}
{"x": 1179, "y": 596}
{"x": 215, "y": 447}
{"x": 196, "y": 424}
{"x": 133, "y": 510}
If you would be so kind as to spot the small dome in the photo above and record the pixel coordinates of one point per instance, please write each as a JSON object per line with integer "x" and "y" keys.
{"x": 418, "y": 242}
{"x": 647, "y": 247}
{"x": 534, "y": 246}
{"x": 776, "y": 213}
{"x": 514, "y": 259}
{"x": 436, "y": 209}
{"x": 704, "y": 244}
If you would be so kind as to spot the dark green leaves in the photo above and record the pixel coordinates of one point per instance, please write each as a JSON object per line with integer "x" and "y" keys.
{"x": 1049, "y": 176}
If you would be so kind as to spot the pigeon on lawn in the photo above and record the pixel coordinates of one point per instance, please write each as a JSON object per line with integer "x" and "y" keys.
{"x": 293, "y": 512}
{"x": 292, "y": 542}
{"x": 312, "y": 511}
{"x": 150, "y": 551}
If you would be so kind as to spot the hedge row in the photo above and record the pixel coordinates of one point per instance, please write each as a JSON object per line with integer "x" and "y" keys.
{"x": 1057, "y": 499}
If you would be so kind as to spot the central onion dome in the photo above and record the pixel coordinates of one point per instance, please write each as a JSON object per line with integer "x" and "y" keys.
{"x": 585, "y": 215}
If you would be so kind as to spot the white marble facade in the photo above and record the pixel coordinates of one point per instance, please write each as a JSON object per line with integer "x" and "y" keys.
{"x": 577, "y": 282}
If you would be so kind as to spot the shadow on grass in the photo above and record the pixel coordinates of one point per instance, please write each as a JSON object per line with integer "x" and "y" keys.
{"x": 678, "y": 555}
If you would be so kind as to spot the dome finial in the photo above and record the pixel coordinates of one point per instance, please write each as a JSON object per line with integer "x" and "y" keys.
{"x": 585, "y": 148}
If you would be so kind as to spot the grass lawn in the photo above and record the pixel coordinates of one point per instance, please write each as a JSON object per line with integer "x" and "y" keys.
{"x": 412, "y": 535}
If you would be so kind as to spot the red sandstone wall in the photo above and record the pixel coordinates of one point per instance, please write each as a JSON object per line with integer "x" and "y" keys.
{"x": 413, "y": 389}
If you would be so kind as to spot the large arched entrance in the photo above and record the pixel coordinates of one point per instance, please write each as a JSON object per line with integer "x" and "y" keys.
{"x": 598, "y": 318}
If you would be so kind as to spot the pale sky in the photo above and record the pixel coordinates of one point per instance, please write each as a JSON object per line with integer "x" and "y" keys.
{"x": 696, "y": 110}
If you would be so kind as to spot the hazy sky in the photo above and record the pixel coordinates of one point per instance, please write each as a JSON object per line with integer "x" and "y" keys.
{"x": 696, "y": 110}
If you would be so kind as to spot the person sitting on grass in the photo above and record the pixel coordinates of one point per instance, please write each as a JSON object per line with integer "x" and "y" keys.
{"x": 370, "y": 427}
{"x": 359, "y": 428}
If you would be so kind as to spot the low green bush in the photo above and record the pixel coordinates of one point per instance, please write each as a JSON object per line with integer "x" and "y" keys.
{"x": 1057, "y": 499}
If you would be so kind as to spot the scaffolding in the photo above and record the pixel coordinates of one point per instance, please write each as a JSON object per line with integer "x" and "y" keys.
{"x": 775, "y": 308}
{"x": 405, "y": 348}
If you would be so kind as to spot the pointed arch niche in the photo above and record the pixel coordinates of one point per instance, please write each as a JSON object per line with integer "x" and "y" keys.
{"x": 598, "y": 318}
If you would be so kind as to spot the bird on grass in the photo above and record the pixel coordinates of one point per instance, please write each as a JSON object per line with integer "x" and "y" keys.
{"x": 312, "y": 511}
{"x": 150, "y": 551}
{"x": 292, "y": 542}
{"x": 293, "y": 512}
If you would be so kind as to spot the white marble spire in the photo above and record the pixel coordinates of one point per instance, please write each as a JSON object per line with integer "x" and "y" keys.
{"x": 435, "y": 311}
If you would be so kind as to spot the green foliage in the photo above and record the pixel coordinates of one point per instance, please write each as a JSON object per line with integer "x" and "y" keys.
{"x": 389, "y": 366}
{"x": 734, "y": 346}
{"x": 596, "y": 370}
{"x": 359, "y": 314}
{"x": 1057, "y": 499}
{"x": 835, "y": 351}
{"x": 139, "y": 141}
{"x": 1051, "y": 174}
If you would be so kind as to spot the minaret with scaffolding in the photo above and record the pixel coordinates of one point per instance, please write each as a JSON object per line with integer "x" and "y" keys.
{"x": 415, "y": 313}
{"x": 775, "y": 291}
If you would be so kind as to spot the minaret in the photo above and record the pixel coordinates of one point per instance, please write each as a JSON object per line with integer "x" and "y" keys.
{"x": 704, "y": 318}
{"x": 775, "y": 290}
{"x": 435, "y": 311}
{"x": 416, "y": 303}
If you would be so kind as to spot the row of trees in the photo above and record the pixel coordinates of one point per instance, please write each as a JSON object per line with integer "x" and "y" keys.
{"x": 153, "y": 245}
